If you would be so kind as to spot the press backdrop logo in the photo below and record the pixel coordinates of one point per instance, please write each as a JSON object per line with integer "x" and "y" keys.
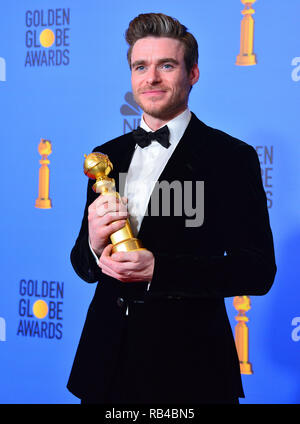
{"x": 2, "y": 329}
{"x": 132, "y": 112}
{"x": 2, "y": 69}
{"x": 296, "y": 69}
{"x": 266, "y": 159}
{"x": 296, "y": 330}
{"x": 47, "y": 37}
{"x": 41, "y": 309}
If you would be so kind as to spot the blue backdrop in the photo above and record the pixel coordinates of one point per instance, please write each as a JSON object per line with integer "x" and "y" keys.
{"x": 64, "y": 77}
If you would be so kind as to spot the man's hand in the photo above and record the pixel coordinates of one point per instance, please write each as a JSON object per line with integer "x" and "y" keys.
{"x": 134, "y": 266}
{"x": 106, "y": 215}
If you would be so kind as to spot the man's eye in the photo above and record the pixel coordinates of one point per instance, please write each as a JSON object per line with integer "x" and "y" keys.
{"x": 167, "y": 66}
{"x": 140, "y": 68}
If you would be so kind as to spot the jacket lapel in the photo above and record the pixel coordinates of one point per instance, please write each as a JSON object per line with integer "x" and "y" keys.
{"x": 184, "y": 162}
{"x": 125, "y": 155}
{"x": 187, "y": 159}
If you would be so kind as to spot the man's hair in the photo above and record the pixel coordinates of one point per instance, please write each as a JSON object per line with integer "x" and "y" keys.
{"x": 160, "y": 25}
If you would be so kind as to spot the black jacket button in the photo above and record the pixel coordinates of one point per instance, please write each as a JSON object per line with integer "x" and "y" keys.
{"x": 120, "y": 302}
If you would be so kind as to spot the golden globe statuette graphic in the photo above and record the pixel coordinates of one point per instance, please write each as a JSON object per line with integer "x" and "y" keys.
{"x": 40, "y": 309}
{"x": 43, "y": 201}
{"x": 97, "y": 166}
{"x": 242, "y": 305}
{"x": 47, "y": 38}
{"x": 246, "y": 56}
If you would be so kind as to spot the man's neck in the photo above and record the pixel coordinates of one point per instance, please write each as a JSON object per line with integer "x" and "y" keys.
{"x": 155, "y": 123}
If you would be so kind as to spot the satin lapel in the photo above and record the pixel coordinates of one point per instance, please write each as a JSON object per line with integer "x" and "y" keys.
{"x": 184, "y": 162}
{"x": 125, "y": 156}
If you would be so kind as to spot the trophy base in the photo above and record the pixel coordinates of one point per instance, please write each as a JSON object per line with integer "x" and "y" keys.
{"x": 43, "y": 204}
{"x": 246, "y": 60}
{"x": 246, "y": 368}
{"x": 127, "y": 245}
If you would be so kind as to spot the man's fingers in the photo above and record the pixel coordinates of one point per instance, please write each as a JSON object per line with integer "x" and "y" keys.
{"x": 108, "y": 271}
{"x": 124, "y": 276}
{"x": 106, "y": 230}
{"x": 127, "y": 266}
{"x": 125, "y": 256}
{"x": 107, "y": 251}
{"x": 111, "y": 217}
{"x": 107, "y": 265}
{"x": 107, "y": 260}
{"x": 114, "y": 209}
{"x": 131, "y": 256}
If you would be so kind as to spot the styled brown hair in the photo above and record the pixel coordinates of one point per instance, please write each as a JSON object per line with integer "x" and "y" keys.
{"x": 160, "y": 25}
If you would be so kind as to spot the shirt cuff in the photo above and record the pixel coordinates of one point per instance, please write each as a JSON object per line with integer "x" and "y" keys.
{"x": 94, "y": 254}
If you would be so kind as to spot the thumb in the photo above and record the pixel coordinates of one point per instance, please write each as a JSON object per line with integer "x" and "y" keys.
{"x": 107, "y": 250}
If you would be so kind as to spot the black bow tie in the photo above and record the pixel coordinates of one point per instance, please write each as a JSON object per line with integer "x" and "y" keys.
{"x": 144, "y": 138}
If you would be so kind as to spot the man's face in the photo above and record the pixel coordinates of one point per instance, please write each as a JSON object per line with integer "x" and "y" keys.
{"x": 159, "y": 78}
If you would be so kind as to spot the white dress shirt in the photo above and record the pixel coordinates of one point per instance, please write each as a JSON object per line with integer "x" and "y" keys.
{"x": 146, "y": 167}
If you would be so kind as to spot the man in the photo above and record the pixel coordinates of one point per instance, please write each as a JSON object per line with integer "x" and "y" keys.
{"x": 157, "y": 329}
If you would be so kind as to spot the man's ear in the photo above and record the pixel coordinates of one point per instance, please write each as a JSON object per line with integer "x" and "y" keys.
{"x": 194, "y": 74}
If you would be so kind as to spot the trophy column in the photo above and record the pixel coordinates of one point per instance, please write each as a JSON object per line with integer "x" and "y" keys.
{"x": 97, "y": 166}
{"x": 242, "y": 305}
{"x": 43, "y": 201}
{"x": 246, "y": 56}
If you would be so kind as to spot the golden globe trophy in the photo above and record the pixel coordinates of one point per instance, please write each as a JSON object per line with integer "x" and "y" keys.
{"x": 97, "y": 166}
{"x": 43, "y": 201}
{"x": 246, "y": 56}
{"x": 242, "y": 305}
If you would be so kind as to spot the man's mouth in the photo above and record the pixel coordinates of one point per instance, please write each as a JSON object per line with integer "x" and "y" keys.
{"x": 153, "y": 92}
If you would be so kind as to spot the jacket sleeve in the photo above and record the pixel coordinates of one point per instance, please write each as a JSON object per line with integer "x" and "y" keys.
{"x": 248, "y": 267}
{"x": 82, "y": 259}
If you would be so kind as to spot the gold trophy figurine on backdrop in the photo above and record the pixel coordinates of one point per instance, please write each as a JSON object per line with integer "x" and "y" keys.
{"x": 97, "y": 166}
{"x": 246, "y": 56}
{"x": 242, "y": 305}
{"x": 43, "y": 201}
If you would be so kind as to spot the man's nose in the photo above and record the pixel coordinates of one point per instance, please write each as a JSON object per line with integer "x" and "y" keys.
{"x": 153, "y": 75}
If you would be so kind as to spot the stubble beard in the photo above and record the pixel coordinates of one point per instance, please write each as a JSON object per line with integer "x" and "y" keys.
{"x": 165, "y": 111}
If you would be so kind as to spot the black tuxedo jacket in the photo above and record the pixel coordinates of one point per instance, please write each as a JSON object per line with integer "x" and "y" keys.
{"x": 180, "y": 340}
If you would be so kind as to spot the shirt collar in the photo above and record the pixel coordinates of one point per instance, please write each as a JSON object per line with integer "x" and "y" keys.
{"x": 176, "y": 126}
